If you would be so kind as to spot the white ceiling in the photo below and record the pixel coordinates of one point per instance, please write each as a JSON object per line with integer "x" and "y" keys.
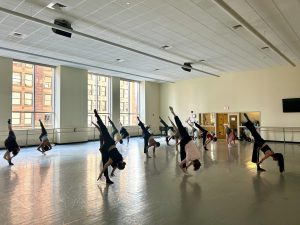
{"x": 196, "y": 30}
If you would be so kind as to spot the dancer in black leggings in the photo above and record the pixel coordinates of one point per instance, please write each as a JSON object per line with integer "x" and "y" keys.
{"x": 110, "y": 154}
{"x": 115, "y": 132}
{"x": 169, "y": 131}
{"x": 177, "y": 134}
{"x": 124, "y": 133}
{"x": 260, "y": 144}
{"x": 45, "y": 144}
{"x": 100, "y": 135}
{"x": 189, "y": 152}
{"x": 148, "y": 139}
{"x": 204, "y": 135}
{"x": 11, "y": 145}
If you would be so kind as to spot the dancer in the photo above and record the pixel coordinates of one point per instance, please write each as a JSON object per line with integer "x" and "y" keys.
{"x": 115, "y": 133}
{"x": 230, "y": 136}
{"x": 100, "y": 135}
{"x": 124, "y": 133}
{"x": 192, "y": 120}
{"x": 110, "y": 154}
{"x": 148, "y": 139}
{"x": 189, "y": 152}
{"x": 11, "y": 145}
{"x": 45, "y": 144}
{"x": 177, "y": 134}
{"x": 169, "y": 131}
{"x": 260, "y": 144}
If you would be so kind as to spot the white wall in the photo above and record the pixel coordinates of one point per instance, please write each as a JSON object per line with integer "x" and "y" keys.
{"x": 71, "y": 104}
{"x": 261, "y": 91}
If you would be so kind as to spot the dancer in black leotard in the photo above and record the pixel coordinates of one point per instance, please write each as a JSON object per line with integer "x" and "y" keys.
{"x": 110, "y": 154}
{"x": 45, "y": 144}
{"x": 260, "y": 144}
{"x": 148, "y": 139}
{"x": 11, "y": 145}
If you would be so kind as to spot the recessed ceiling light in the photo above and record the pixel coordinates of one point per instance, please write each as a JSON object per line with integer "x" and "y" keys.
{"x": 55, "y": 5}
{"x": 127, "y": 3}
{"x": 166, "y": 47}
{"x": 120, "y": 60}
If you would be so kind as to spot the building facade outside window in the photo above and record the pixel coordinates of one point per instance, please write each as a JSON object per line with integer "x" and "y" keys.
{"x": 129, "y": 102}
{"x": 99, "y": 97}
{"x": 32, "y": 95}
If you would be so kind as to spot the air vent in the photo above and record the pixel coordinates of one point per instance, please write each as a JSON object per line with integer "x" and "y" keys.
{"x": 166, "y": 47}
{"x": 55, "y": 5}
{"x": 237, "y": 27}
{"x": 17, "y": 35}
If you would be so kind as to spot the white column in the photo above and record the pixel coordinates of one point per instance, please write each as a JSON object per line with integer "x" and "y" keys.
{"x": 115, "y": 98}
{"x": 71, "y": 104}
{"x": 5, "y": 92}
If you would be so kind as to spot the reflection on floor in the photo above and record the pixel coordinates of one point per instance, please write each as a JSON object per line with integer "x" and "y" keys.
{"x": 61, "y": 187}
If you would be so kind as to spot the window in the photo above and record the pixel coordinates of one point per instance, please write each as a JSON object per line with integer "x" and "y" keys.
{"x": 27, "y": 118}
{"x": 33, "y": 98}
{"x": 98, "y": 97}
{"x": 103, "y": 106}
{"x": 17, "y": 79}
{"x": 27, "y": 98}
{"x": 16, "y": 98}
{"x": 48, "y": 100}
{"x": 90, "y": 105}
{"x": 103, "y": 91}
{"x": 16, "y": 118}
{"x": 129, "y": 102}
{"x": 48, "y": 82}
{"x": 28, "y": 80}
{"x": 90, "y": 89}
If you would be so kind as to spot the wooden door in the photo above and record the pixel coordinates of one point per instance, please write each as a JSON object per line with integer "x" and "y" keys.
{"x": 233, "y": 123}
{"x": 222, "y": 118}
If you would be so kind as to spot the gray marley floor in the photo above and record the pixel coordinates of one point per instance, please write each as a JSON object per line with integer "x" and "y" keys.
{"x": 61, "y": 187}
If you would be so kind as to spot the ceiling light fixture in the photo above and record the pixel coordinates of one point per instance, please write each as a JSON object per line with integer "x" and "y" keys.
{"x": 127, "y": 3}
{"x": 120, "y": 60}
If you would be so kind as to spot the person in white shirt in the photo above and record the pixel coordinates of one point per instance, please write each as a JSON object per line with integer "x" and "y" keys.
{"x": 191, "y": 121}
{"x": 187, "y": 146}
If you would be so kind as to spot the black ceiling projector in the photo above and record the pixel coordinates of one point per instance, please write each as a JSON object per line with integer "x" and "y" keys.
{"x": 65, "y": 24}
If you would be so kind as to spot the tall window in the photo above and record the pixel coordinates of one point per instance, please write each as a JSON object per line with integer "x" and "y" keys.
{"x": 98, "y": 97}
{"x": 32, "y": 96}
{"x": 129, "y": 102}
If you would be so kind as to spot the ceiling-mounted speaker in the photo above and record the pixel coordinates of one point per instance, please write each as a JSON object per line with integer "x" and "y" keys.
{"x": 187, "y": 67}
{"x": 65, "y": 24}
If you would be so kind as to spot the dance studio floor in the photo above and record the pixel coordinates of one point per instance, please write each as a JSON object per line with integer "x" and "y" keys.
{"x": 61, "y": 188}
